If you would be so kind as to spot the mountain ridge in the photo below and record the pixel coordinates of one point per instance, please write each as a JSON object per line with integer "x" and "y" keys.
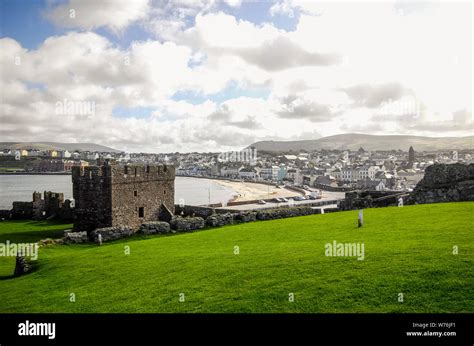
{"x": 353, "y": 141}
{"x": 58, "y": 146}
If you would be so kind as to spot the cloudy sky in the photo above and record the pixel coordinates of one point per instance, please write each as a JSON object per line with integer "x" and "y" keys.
{"x": 204, "y": 75}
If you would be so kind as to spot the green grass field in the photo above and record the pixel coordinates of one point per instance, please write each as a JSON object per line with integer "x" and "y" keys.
{"x": 407, "y": 250}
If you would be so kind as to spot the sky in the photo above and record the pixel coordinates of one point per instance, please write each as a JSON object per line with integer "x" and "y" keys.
{"x": 206, "y": 75}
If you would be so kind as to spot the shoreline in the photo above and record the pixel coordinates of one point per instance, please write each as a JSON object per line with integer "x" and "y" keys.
{"x": 35, "y": 173}
{"x": 251, "y": 191}
{"x": 241, "y": 191}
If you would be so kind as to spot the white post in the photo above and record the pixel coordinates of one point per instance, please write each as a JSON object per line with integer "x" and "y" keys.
{"x": 400, "y": 202}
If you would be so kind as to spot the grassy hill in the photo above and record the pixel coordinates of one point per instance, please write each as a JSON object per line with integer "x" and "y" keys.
{"x": 353, "y": 141}
{"x": 407, "y": 250}
{"x": 58, "y": 146}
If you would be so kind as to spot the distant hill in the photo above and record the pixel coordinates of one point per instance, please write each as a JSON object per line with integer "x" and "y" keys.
{"x": 57, "y": 146}
{"x": 353, "y": 141}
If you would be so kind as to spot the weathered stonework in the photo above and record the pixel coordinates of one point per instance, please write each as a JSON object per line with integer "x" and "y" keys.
{"x": 218, "y": 220}
{"x": 116, "y": 195}
{"x": 21, "y": 266}
{"x": 75, "y": 237}
{"x": 111, "y": 233}
{"x": 445, "y": 183}
{"x": 187, "y": 224}
{"x": 52, "y": 205}
{"x": 245, "y": 216}
{"x": 155, "y": 227}
{"x": 280, "y": 213}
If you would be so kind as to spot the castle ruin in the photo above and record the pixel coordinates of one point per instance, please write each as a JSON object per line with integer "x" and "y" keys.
{"x": 52, "y": 205}
{"x": 112, "y": 195}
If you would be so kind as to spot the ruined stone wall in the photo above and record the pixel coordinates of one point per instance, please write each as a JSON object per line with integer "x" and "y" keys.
{"x": 114, "y": 195}
{"x": 22, "y": 210}
{"x": 92, "y": 192}
{"x": 368, "y": 199}
{"x": 53, "y": 202}
{"x": 50, "y": 205}
{"x": 445, "y": 183}
{"x": 139, "y": 191}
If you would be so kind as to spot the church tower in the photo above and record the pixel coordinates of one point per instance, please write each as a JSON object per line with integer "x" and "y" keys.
{"x": 411, "y": 157}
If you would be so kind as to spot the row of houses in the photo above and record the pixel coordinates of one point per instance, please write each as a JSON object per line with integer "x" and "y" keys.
{"x": 57, "y": 165}
{"x": 55, "y": 154}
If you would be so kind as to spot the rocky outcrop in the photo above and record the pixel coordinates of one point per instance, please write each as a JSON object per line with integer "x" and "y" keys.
{"x": 110, "y": 233}
{"x": 75, "y": 237}
{"x": 445, "y": 183}
{"x": 187, "y": 224}
{"x": 155, "y": 227}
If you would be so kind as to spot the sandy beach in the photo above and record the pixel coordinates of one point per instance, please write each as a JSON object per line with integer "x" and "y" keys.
{"x": 251, "y": 191}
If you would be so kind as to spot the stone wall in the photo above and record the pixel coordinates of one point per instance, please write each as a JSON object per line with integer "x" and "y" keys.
{"x": 111, "y": 233}
{"x": 5, "y": 214}
{"x": 368, "y": 199}
{"x": 445, "y": 183}
{"x": 114, "y": 195}
{"x": 75, "y": 237}
{"x": 22, "y": 210}
{"x": 280, "y": 213}
{"x": 245, "y": 216}
{"x": 92, "y": 192}
{"x": 333, "y": 188}
{"x": 218, "y": 220}
{"x": 187, "y": 224}
{"x": 138, "y": 186}
{"x": 155, "y": 227}
{"x": 52, "y": 205}
{"x": 190, "y": 210}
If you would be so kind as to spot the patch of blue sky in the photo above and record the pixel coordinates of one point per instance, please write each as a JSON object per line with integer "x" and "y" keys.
{"x": 133, "y": 112}
{"x": 35, "y": 85}
{"x": 24, "y": 22}
{"x": 123, "y": 40}
{"x": 258, "y": 12}
{"x": 232, "y": 90}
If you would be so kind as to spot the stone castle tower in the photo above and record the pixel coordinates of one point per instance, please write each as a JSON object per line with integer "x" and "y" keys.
{"x": 112, "y": 195}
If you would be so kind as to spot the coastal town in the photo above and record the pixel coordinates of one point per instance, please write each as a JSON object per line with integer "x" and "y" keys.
{"x": 332, "y": 170}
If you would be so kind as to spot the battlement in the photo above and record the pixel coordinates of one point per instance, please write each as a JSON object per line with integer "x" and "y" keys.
{"x": 119, "y": 173}
{"x": 90, "y": 172}
{"x": 142, "y": 173}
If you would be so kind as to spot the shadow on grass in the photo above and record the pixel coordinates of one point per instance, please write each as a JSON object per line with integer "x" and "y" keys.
{"x": 33, "y": 267}
{"x": 6, "y": 277}
{"x": 30, "y": 236}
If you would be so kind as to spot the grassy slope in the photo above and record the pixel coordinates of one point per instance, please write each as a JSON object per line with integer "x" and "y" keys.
{"x": 407, "y": 250}
{"x": 26, "y": 231}
{"x": 31, "y": 231}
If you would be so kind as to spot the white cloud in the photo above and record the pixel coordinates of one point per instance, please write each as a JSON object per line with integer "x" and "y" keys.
{"x": 383, "y": 55}
{"x": 90, "y": 14}
{"x": 285, "y": 7}
{"x": 233, "y": 3}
